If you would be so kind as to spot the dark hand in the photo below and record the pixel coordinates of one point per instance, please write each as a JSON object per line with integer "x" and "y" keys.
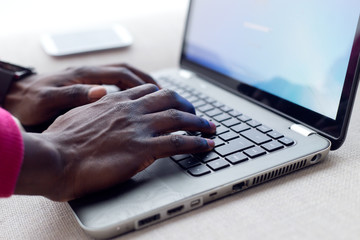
{"x": 40, "y": 98}
{"x": 107, "y": 142}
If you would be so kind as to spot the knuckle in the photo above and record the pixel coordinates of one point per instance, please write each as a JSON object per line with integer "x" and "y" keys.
{"x": 73, "y": 92}
{"x": 151, "y": 87}
{"x": 126, "y": 65}
{"x": 174, "y": 114}
{"x": 69, "y": 68}
{"x": 80, "y": 72}
{"x": 44, "y": 95}
{"x": 176, "y": 141}
{"x": 167, "y": 93}
{"x": 108, "y": 97}
{"x": 121, "y": 107}
{"x": 128, "y": 108}
{"x": 125, "y": 71}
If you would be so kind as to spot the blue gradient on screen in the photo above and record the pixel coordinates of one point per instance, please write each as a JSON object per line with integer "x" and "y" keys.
{"x": 298, "y": 51}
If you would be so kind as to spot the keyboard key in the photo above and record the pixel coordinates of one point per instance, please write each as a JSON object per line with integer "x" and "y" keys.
{"x": 235, "y": 113}
{"x": 188, "y": 88}
{"x": 196, "y": 93}
{"x": 231, "y": 122}
{"x": 199, "y": 170}
{"x": 193, "y": 99}
{"x": 205, "y": 108}
{"x": 218, "y": 164}
{"x": 218, "y": 141}
{"x": 217, "y": 124}
{"x": 286, "y": 141}
{"x": 233, "y": 146}
{"x": 186, "y": 95}
{"x": 244, "y": 118}
{"x": 275, "y": 134}
{"x": 206, "y": 157}
{"x": 180, "y": 157}
{"x": 226, "y": 109}
{"x": 214, "y": 112}
{"x": 179, "y": 133}
{"x": 199, "y": 103}
{"x": 237, "y": 158}
{"x": 222, "y": 117}
{"x": 210, "y": 100}
{"x": 195, "y": 133}
{"x": 228, "y": 136}
{"x": 253, "y": 123}
{"x": 217, "y": 104}
{"x": 189, "y": 163}
{"x": 256, "y": 136}
{"x": 221, "y": 129}
{"x": 240, "y": 127}
{"x": 264, "y": 129}
{"x": 272, "y": 146}
{"x": 179, "y": 91}
{"x": 202, "y": 96}
{"x": 255, "y": 152}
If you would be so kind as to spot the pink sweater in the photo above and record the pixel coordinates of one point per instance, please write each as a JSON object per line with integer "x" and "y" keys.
{"x": 11, "y": 153}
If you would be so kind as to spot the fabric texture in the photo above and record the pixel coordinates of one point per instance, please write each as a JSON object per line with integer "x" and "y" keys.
{"x": 11, "y": 153}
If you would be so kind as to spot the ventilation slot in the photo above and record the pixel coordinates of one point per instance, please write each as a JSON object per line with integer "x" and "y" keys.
{"x": 278, "y": 172}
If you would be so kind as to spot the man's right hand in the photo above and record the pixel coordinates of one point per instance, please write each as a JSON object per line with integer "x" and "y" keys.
{"x": 104, "y": 143}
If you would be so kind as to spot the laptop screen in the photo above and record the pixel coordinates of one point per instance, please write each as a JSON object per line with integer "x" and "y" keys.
{"x": 295, "y": 51}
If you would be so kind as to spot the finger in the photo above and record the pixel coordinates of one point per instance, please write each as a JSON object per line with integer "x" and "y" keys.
{"x": 165, "y": 99}
{"x": 140, "y": 91}
{"x": 95, "y": 93}
{"x": 165, "y": 146}
{"x": 145, "y": 77}
{"x": 119, "y": 76}
{"x": 173, "y": 120}
{"x": 75, "y": 95}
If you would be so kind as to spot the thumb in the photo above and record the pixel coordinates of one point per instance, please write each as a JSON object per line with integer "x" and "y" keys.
{"x": 96, "y": 92}
{"x": 77, "y": 95}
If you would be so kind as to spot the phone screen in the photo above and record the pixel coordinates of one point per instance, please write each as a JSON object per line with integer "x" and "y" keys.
{"x": 86, "y": 41}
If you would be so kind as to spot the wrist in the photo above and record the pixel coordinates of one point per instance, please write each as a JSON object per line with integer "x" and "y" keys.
{"x": 10, "y": 73}
{"x": 41, "y": 171}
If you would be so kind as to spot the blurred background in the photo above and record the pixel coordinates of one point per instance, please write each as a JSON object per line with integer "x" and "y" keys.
{"x": 23, "y": 22}
{"x": 21, "y": 16}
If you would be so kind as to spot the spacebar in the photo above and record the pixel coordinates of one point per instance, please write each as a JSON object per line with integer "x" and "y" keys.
{"x": 236, "y": 145}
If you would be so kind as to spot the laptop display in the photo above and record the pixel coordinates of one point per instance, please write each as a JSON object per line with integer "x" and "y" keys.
{"x": 300, "y": 57}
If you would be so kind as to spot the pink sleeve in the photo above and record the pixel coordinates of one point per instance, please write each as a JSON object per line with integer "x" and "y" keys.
{"x": 11, "y": 153}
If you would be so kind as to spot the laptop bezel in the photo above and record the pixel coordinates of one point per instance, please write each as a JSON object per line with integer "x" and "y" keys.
{"x": 334, "y": 130}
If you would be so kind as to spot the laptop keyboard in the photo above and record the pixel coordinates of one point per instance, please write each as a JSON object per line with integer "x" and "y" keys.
{"x": 238, "y": 137}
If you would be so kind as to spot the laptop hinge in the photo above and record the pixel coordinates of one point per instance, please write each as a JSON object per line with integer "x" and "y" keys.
{"x": 302, "y": 130}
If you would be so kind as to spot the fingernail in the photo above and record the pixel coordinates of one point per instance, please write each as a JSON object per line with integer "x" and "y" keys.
{"x": 211, "y": 143}
{"x": 96, "y": 93}
{"x": 212, "y": 125}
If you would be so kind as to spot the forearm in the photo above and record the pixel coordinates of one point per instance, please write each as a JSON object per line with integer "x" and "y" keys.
{"x": 40, "y": 171}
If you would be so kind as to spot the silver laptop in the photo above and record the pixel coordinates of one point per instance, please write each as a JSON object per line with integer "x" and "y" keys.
{"x": 278, "y": 78}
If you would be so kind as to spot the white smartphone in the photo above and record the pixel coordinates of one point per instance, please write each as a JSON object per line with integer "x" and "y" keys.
{"x": 86, "y": 40}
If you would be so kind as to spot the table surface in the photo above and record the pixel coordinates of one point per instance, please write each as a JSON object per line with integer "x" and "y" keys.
{"x": 320, "y": 202}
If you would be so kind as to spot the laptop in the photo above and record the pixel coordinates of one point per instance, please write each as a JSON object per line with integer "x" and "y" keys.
{"x": 279, "y": 80}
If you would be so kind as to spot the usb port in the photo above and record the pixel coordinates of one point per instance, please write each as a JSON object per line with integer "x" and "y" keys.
{"x": 175, "y": 210}
{"x": 195, "y": 203}
{"x": 239, "y": 186}
{"x": 148, "y": 220}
